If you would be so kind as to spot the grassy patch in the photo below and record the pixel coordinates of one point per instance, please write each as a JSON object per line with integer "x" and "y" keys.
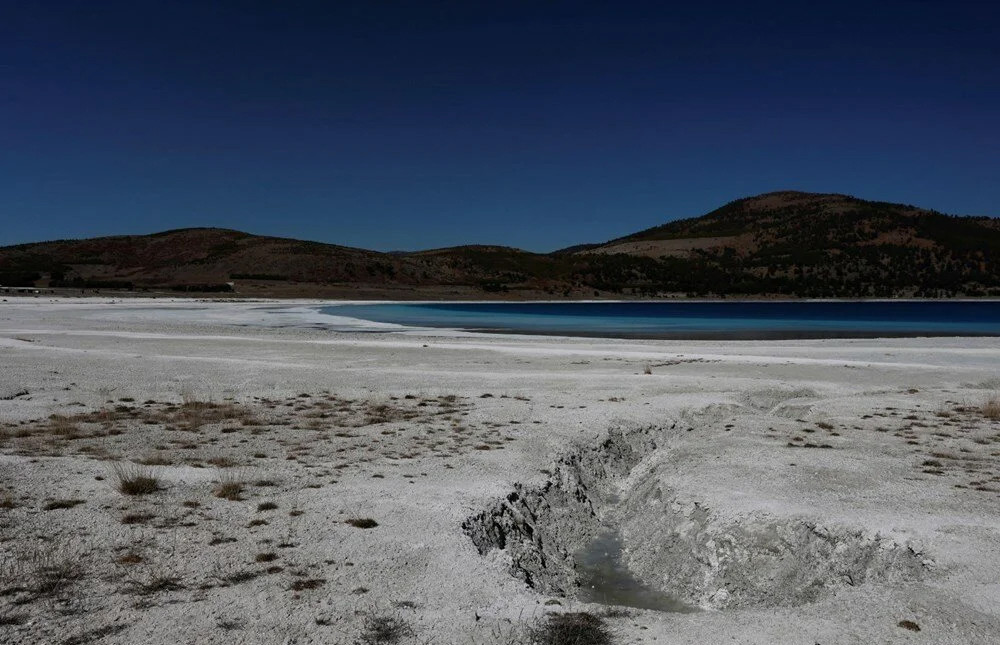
{"x": 229, "y": 487}
{"x": 576, "y": 628}
{"x": 131, "y": 479}
{"x": 155, "y": 584}
{"x": 380, "y": 629}
{"x": 136, "y": 518}
{"x": 62, "y": 503}
{"x": 991, "y": 409}
{"x": 307, "y": 583}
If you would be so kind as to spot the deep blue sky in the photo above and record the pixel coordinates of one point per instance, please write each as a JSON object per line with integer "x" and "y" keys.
{"x": 406, "y": 125}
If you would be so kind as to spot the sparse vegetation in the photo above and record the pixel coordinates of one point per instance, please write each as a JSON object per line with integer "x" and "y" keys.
{"x": 383, "y": 629}
{"x": 154, "y": 584}
{"x": 991, "y": 409}
{"x": 303, "y": 584}
{"x": 136, "y": 518}
{"x": 361, "y": 522}
{"x": 62, "y": 503}
{"x": 43, "y": 570}
{"x": 230, "y": 487}
{"x": 131, "y": 479}
{"x": 576, "y": 628}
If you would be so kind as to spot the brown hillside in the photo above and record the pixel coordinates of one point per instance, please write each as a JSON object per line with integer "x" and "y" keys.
{"x": 785, "y": 243}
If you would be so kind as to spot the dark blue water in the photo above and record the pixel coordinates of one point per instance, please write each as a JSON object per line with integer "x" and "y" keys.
{"x": 786, "y": 319}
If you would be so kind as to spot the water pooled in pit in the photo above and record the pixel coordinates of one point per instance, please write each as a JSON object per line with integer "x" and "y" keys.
{"x": 604, "y": 578}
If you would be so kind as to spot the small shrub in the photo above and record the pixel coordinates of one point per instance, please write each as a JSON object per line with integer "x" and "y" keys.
{"x": 130, "y": 558}
{"x": 307, "y": 583}
{"x": 52, "y": 569}
{"x": 991, "y": 409}
{"x": 238, "y": 577}
{"x": 909, "y": 625}
{"x": 266, "y": 506}
{"x": 576, "y": 628}
{"x": 136, "y": 518}
{"x": 361, "y": 522}
{"x": 155, "y": 584}
{"x": 135, "y": 480}
{"x": 266, "y": 557}
{"x": 229, "y": 490}
{"x": 230, "y": 487}
{"x": 62, "y": 503}
{"x": 379, "y": 629}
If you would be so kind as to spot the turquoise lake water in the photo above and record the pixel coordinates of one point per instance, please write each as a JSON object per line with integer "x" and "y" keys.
{"x": 784, "y": 319}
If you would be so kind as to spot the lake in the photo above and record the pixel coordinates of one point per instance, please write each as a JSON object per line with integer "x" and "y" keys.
{"x": 696, "y": 320}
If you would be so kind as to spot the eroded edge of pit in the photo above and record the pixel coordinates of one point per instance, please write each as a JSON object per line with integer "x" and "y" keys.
{"x": 679, "y": 547}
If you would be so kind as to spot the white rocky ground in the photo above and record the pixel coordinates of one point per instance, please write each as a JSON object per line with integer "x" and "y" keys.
{"x": 330, "y": 426}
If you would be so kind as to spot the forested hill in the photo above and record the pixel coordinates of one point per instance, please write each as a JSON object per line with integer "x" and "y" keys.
{"x": 777, "y": 244}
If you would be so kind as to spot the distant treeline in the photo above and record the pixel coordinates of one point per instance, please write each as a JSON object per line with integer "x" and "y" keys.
{"x": 19, "y": 278}
{"x": 82, "y": 283}
{"x": 204, "y": 288}
{"x": 257, "y": 276}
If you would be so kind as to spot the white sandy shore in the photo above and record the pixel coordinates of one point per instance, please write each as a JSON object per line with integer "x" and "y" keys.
{"x": 889, "y": 405}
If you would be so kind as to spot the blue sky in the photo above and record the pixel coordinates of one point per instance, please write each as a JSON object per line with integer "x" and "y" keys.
{"x": 393, "y": 125}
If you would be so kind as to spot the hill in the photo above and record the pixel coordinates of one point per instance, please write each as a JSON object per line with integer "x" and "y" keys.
{"x": 207, "y": 260}
{"x": 820, "y": 245}
{"x": 777, "y": 244}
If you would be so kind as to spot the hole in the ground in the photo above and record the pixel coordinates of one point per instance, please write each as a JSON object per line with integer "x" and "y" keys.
{"x": 605, "y": 579}
{"x": 679, "y": 554}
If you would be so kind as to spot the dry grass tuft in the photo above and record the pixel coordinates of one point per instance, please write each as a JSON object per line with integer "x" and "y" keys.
{"x": 45, "y": 570}
{"x": 194, "y": 414}
{"x": 129, "y": 559}
{"x": 307, "y": 583}
{"x": 154, "y": 585}
{"x": 991, "y": 409}
{"x": 361, "y": 522}
{"x": 230, "y": 487}
{"x": 137, "y": 518}
{"x": 576, "y": 628}
{"x": 62, "y": 503}
{"x": 131, "y": 479}
{"x": 380, "y": 629}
